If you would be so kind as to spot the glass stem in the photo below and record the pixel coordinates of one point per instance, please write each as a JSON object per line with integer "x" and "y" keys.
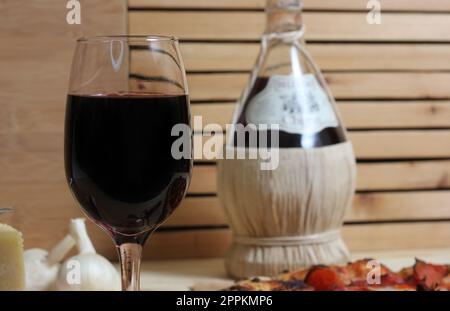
{"x": 130, "y": 262}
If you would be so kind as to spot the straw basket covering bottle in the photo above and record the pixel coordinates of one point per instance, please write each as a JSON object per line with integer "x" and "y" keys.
{"x": 286, "y": 214}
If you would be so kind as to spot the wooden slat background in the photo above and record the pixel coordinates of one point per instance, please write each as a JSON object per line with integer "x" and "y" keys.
{"x": 391, "y": 81}
{"x": 322, "y": 26}
{"x": 345, "y": 5}
{"x": 36, "y": 52}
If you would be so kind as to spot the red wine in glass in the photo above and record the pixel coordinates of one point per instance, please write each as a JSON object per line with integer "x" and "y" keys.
{"x": 124, "y": 162}
{"x": 119, "y": 162}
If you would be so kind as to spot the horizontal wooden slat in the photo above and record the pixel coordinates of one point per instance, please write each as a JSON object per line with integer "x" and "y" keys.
{"x": 373, "y": 145}
{"x": 42, "y": 167}
{"x": 356, "y": 115}
{"x": 407, "y": 114}
{"x": 397, "y": 236}
{"x": 19, "y": 119}
{"x": 206, "y": 211}
{"x": 413, "y": 85}
{"x": 367, "y": 207}
{"x": 213, "y": 243}
{"x": 37, "y": 168}
{"x": 377, "y": 145}
{"x": 400, "y": 206}
{"x": 343, "y": 85}
{"x": 42, "y": 143}
{"x": 406, "y": 5}
{"x": 15, "y": 118}
{"x": 401, "y": 144}
{"x": 204, "y": 180}
{"x": 222, "y": 56}
{"x": 371, "y": 176}
{"x": 380, "y": 85}
{"x": 250, "y": 25}
{"x": 404, "y": 175}
{"x": 387, "y": 144}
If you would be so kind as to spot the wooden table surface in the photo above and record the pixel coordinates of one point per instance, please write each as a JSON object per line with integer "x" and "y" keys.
{"x": 209, "y": 274}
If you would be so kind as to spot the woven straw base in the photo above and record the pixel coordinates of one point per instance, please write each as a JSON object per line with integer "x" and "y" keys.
{"x": 307, "y": 194}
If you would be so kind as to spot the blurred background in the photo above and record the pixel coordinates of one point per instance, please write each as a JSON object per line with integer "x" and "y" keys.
{"x": 392, "y": 83}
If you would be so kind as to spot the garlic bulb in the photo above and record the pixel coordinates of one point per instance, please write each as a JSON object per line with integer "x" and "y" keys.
{"x": 86, "y": 271}
{"x": 41, "y": 267}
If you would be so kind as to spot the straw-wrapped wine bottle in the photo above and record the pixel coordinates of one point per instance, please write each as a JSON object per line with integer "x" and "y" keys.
{"x": 289, "y": 216}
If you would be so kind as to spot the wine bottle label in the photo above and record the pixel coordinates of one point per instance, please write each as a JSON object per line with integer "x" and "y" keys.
{"x": 299, "y": 105}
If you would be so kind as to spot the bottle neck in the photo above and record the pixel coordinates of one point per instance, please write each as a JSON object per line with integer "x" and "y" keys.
{"x": 284, "y": 16}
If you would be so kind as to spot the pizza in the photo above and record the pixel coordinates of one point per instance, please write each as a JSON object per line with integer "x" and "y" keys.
{"x": 355, "y": 276}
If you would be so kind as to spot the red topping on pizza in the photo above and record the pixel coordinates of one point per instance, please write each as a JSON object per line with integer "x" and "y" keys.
{"x": 362, "y": 275}
{"x": 327, "y": 278}
{"x": 429, "y": 276}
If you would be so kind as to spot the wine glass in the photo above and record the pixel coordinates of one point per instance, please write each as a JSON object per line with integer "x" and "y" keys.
{"x": 128, "y": 142}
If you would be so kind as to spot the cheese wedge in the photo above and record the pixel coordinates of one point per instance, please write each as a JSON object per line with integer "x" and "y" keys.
{"x": 12, "y": 270}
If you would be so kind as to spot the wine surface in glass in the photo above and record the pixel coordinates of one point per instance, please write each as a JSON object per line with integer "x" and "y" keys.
{"x": 119, "y": 163}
